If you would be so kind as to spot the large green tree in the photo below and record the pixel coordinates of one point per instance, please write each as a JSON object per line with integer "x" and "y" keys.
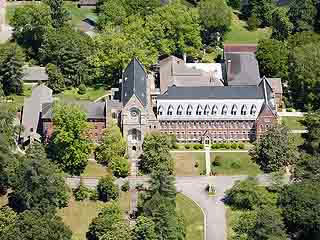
{"x": 69, "y": 50}
{"x": 38, "y": 226}
{"x": 215, "y": 17}
{"x": 281, "y": 25}
{"x": 272, "y": 56}
{"x": 275, "y": 149}
{"x": 304, "y": 76}
{"x": 262, "y": 9}
{"x": 7, "y": 221}
{"x": 30, "y": 23}
{"x": 11, "y": 72}
{"x": 55, "y": 78}
{"x": 144, "y": 229}
{"x": 38, "y": 184}
{"x": 156, "y": 153}
{"x": 107, "y": 189}
{"x": 312, "y": 138}
{"x": 307, "y": 168}
{"x": 111, "y": 12}
{"x": 109, "y": 224}
{"x": 301, "y": 209}
{"x": 70, "y": 146}
{"x": 302, "y": 14}
{"x": 58, "y": 12}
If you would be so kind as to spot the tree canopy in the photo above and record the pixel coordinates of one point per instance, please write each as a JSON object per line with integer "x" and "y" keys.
{"x": 144, "y": 229}
{"x": 312, "y": 138}
{"x": 69, "y": 145}
{"x": 281, "y": 25}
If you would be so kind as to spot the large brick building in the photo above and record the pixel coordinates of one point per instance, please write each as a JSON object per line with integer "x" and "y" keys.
{"x": 196, "y": 102}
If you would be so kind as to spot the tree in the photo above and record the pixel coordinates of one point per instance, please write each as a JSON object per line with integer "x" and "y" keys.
{"x": 307, "y": 168}
{"x": 235, "y": 4}
{"x": 215, "y": 17}
{"x": 112, "y": 145}
{"x": 120, "y": 166}
{"x": 263, "y": 9}
{"x": 281, "y": 25}
{"x": 175, "y": 29}
{"x": 156, "y": 153}
{"x": 107, "y": 189}
{"x": 30, "y": 23}
{"x": 275, "y": 150}
{"x": 58, "y": 13}
{"x": 37, "y": 226}
{"x": 144, "y": 229}
{"x": 272, "y": 56}
{"x": 312, "y": 138}
{"x": 302, "y": 13}
{"x": 304, "y": 76}
{"x": 142, "y": 7}
{"x": 110, "y": 222}
{"x": 111, "y": 12}
{"x": 69, "y": 50}
{"x": 11, "y": 72}
{"x": 301, "y": 210}
{"x": 70, "y": 146}
{"x": 38, "y": 184}
{"x": 8, "y": 129}
{"x": 55, "y": 77}
{"x": 7, "y": 221}
{"x": 248, "y": 195}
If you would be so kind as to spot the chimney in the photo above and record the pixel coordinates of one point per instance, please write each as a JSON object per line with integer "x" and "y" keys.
{"x": 185, "y": 58}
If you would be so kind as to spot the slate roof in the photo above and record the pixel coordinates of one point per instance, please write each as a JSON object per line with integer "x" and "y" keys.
{"x": 244, "y": 69}
{"x": 134, "y": 82}
{"x": 32, "y": 108}
{"x": 94, "y": 110}
{"x": 240, "y": 48}
{"x": 34, "y": 74}
{"x": 214, "y": 92}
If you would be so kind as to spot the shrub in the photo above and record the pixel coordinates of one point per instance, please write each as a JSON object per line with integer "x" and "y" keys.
{"x": 81, "y": 192}
{"x": 201, "y": 146}
{"x": 196, "y": 165}
{"x": 227, "y": 145}
{"x": 214, "y": 146}
{"x": 241, "y": 146}
{"x": 195, "y": 146}
{"x": 253, "y": 23}
{"x": 187, "y": 146}
{"x": 235, "y": 164}
{"x": 234, "y": 145}
{"x": 107, "y": 190}
{"x": 93, "y": 195}
{"x": 217, "y": 161}
{"x": 82, "y": 89}
{"x": 140, "y": 187}
{"x": 120, "y": 167}
{"x": 125, "y": 187}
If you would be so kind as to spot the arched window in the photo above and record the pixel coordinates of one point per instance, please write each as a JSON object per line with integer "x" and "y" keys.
{"x": 244, "y": 110}
{"x": 160, "y": 110}
{"x": 199, "y": 110}
{"x": 253, "y": 110}
{"x": 234, "y": 110}
{"x": 189, "y": 110}
{"x": 170, "y": 110}
{"x": 179, "y": 110}
{"x": 224, "y": 110}
{"x": 206, "y": 110}
{"x": 214, "y": 110}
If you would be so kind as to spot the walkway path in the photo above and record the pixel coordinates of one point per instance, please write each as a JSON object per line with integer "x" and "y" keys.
{"x": 291, "y": 114}
{"x": 187, "y": 151}
{"x": 208, "y": 163}
{"x": 194, "y": 188}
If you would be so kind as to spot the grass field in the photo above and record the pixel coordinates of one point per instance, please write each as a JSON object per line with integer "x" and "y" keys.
{"x": 78, "y": 14}
{"x": 233, "y": 163}
{"x": 91, "y": 94}
{"x": 94, "y": 169}
{"x": 78, "y": 215}
{"x": 240, "y": 34}
{"x": 185, "y": 163}
{"x": 293, "y": 122}
{"x": 193, "y": 217}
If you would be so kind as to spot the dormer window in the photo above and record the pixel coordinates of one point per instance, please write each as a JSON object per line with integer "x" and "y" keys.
{"x": 207, "y": 110}
{"x": 253, "y": 110}
{"x": 170, "y": 110}
{"x": 244, "y": 110}
{"x": 199, "y": 110}
{"x": 179, "y": 111}
{"x": 234, "y": 110}
{"x": 160, "y": 110}
{"x": 224, "y": 110}
{"x": 189, "y": 110}
{"x": 215, "y": 110}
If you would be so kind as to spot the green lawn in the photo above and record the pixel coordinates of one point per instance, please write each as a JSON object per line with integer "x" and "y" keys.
{"x": 193, "y": 217}
{"x": 91, "y": 94}
{"x": 78, "y": 14}
{"x": 298, "y": 139}
{"x": 94, "y": 169}
{"x": 234, "y": 163}
{"x": 293, "y": 122}
{"x": 79, "y": 214}
{"x": 240, "y": 34}
{"x": 185, "y": 163}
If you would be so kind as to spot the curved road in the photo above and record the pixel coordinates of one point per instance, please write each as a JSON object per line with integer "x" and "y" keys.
{"x": 194, "y": 188}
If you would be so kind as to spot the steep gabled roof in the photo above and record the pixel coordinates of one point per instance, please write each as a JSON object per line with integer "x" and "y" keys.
{"x": 134, "y": 82}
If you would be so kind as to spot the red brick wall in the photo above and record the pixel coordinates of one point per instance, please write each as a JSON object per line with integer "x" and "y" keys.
{"x": 264, "y": 121}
